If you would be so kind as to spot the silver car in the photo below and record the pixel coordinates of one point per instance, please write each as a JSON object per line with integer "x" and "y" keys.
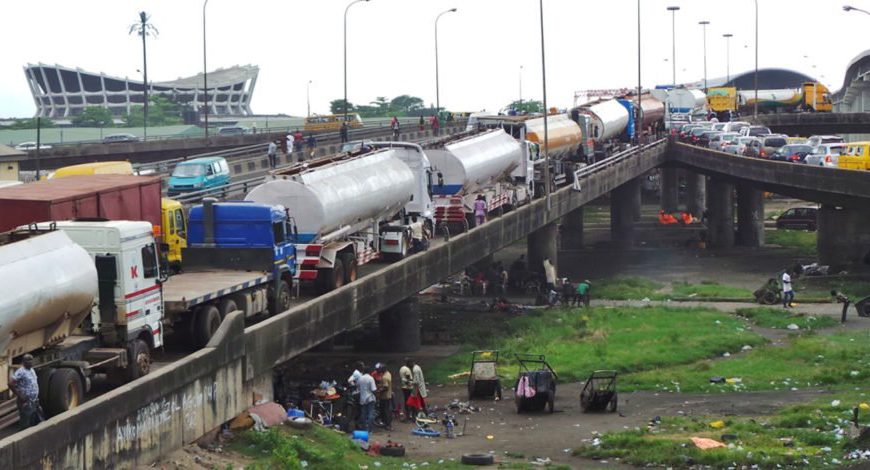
{"x": 826, "y": 155}
{"x": 720, "y": 141}
{"x": 739, "y": 145}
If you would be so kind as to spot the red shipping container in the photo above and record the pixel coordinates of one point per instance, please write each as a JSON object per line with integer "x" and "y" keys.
{"x": 113, "y": 197}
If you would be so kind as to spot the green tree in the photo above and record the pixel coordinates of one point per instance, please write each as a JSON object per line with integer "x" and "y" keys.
{"x": 337, "y": 106}
{"x": 404, "y": 104}
{"x": 162, "y": 111}
{"x": 382, "y": 105}
{"x": 31, "y": 123}
{"x": 530, "y": 106}
{"x": 93, "y": 116}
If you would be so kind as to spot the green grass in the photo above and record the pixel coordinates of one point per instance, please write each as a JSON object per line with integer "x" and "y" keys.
{"x": 577, "y": 342}
{"x": 324, "y": 449}
{"x": 821, "y": 287}
{"x": 596, "y": 214}
{"x": 709, "y": 290}
{"x": 803, "y": 242}
{"x": 627, "y": 288}
{"x": 809, "y": 361}
{"x": 811, "y": 429}
{"x": 771, "y": 317}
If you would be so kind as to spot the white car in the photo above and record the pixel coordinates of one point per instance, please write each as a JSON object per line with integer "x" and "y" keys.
{"x": 739, "y": 145}
{"x": 826, "y": 155}
{"x": 720, "y": 141}
{"x": 28, "y": 146}
{"x": 735, "y": 126}
{"x": 816, "y": 140}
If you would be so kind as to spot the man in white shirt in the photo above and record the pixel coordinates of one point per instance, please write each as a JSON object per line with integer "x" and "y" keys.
{"x": 367, "y": 388}
{"x": 787, "y": 291}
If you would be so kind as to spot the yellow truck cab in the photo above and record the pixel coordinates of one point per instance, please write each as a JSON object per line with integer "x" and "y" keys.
{"x": 855, "y": 156}
{"x": 817, "y": 97}
{"x": 722, "y": 99}
{"x": 173, "y": 218}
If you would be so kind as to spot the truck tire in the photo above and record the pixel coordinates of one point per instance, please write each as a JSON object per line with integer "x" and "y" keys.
{"x": 207, "y": 319}
{"x": 138, "y": 359}
{"x": 331, "y": 279}
{"x": 350, "y": 267}
{"x": 227, "y": 306}
{"x": 65, "y": 391}
{"x": 279, "y": 301}
{"x": 43, "y": 378}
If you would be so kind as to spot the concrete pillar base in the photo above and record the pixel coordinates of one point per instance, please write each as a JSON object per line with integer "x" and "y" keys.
{"x": 400, "y": 327}
{"x": 843, "y": 236}
{"x": 260, "y": 388}
{"x": 572, "y": 230}
{"x": 720, "y": 222}
{"x": 541, "y": 244}
{"x": 670, "y": 189}
{"x": 624, "y": 202}
{"x": 696, "y": 186}
{"x": 750, "y": 216}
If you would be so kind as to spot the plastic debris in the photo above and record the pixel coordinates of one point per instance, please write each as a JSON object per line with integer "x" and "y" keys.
{"x": 854, "y": 373}
{"x": 734, "y": 380}
{"x": 717, "y": 380}
{"x": 719, "y": 424}
{"x": 746, "y": 347}
{"x": 835, "y": 403}
{"x": 490, "y": 437}
{"x": 792, "y": 326}
{"x": 864, "y": 407}
{"x": 704, "y": 443}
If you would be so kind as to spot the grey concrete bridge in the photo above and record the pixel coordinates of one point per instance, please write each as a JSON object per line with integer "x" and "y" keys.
{"x": 137, "y": 423}
{"x": 807, "y": 124}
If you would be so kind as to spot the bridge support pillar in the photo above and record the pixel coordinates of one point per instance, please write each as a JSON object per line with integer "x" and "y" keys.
{"x": 843, "y": 236}
{"x": 541, "y": 244}
{"x": 670, "y": 189}
{"x": 696, "y": 186}
{"x": 720, "y": 222}
{"x": 750, "y": 216}
{"x": 572, "y": 230}
{"x": 624, "y": 203}
{"x": 399, "y": 327}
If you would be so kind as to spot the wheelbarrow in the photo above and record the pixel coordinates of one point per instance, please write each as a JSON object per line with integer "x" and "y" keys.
{"x": 599, "y": 392}
{"x": 483, "y": 380}
{"x": 535, "y": 388}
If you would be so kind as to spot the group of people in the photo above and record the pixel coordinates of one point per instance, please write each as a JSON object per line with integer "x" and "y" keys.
{"x": 292, "y": 142}
{"x": 372, "y": 393}
{"x": 492, "y": 280}
{"x": 576, "y": 295}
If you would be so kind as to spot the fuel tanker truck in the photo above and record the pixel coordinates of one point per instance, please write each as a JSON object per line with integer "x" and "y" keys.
{"x": 82, "y": 298}
{"x": 351, "y": 209}
{"x": 472, "y": 165}
{"x": 605, "y": 121}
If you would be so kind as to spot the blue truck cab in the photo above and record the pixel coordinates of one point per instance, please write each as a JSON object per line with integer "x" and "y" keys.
{"x": 198, "y": 174}
{"x": 243, "y": 236}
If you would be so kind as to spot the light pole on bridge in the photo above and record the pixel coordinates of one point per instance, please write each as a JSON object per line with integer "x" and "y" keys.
{"x": 345, "y": 54}
{"x": 728, "y": 37}
{"x": 437, "y": 90}
{"x": 673, "y": 11}
{"x": 704, "y": 26}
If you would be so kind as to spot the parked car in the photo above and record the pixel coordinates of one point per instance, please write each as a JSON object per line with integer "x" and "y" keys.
{"x": 198, "y": 174}
{"x": 719, "y": 141}
{"x": 855, "y": 156}
{"x": 684, "y": 135}
{"x": 115, "y": 138}
{"x": 735, "y": 126}
{"x": 28, "y": 146}
{"x": 754, "y": 131}
{"x": 816, "y": 140}
{"x": 794, "y": 153}
{"x": 765, "y": 146}
{"x": 695, "y": 135}
{"x": 738, "y": 146}
{"x": 825, "y": 155}
{"x": 798, "y": 218}
{"x": 704, "y": 138}
{"x": 232, "y": 130}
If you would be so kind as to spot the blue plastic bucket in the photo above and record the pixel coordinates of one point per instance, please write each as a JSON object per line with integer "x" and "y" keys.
{"x": 361, "y": 436}
{"x": 295, "y": 413}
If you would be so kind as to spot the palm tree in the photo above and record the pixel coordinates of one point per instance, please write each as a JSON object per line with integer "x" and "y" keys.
{"x": 144, "y": 28}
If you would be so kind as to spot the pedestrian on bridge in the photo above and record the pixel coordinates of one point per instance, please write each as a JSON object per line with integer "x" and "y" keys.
{"x": 26, "y": 388}
{"x": 311, "y": 143}
{"x": 272, "y": 152}
{"x": 479, "y": 210}
{"x": 343, "y": 132}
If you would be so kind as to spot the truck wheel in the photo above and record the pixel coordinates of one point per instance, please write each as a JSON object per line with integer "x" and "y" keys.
{"x": 43, "y": 378}
{"x": 138, "y": 359}
{"x": 350, "y": 267}
{"x": 206, "y": 322}
{"x": 65, "y": 391}
{"x": 227, "y": 307}
{"x": 280, "y": 301}
{"x": 331, "y": 279}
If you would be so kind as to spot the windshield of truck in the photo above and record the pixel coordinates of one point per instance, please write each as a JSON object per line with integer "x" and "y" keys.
{"x": 188, "y": 171}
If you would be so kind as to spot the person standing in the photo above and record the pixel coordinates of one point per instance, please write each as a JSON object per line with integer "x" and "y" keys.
{"x": 385, "y": 396}
{"x": 787, "y": 291}
{"x": 311, "y": 143}
{"x": 550, "y": 275}
{"x": 420, "y": 386}
{"x": 479, "y": 210}
{"x": 298, "y": 140}
{"x": 367, "y": 388}
{"x": 343, "y": 132}
{"x": 422, "y": 123}
{"x": 583, "y": 293}
{"x": 289, "y": 139}
{"x": 406, "y": 378}
{"x": 26, "y": 388}
{"x": 273, "y": 150}
{"x": 436, "y": 125}
{"x": 394, "y": 125}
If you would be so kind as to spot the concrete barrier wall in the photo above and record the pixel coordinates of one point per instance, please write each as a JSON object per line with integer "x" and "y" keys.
{"x": 137, "y": 423}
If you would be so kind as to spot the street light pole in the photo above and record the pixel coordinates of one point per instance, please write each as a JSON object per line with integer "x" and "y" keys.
{"x": 546, "y": 112}
{"x": 851, "y": 8}
{"x": 437, "y": 89}
{"x": 308, "y": 97}
{"x": 755, "y": 108}
{"x": 521, "y": 84}
{"x": 637, "y": 123}
{"x": 728, "y": 37}
{"x": 345, "y": 54}
{"x": 144, "y": 28}
{"x": 673, "y": 11}
{"x": 204, "y": 72}
{"x": 704, "y": 26}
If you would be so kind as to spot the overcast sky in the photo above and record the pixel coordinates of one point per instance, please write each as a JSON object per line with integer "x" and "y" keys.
{"x": 590, "y": 44}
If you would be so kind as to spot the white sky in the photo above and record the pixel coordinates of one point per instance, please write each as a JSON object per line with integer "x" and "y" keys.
{"x": 590, "y": 44}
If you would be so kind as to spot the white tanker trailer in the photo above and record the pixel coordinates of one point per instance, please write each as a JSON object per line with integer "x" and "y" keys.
{"x": 609, "y": 119}
{"x": 468, "y": 166}
{"x": 349, "y": 210}
{"x": 79, "y": 297}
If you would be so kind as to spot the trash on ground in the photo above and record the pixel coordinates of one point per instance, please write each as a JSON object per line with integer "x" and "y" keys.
{"x": 792, "y": 326}
{"x": 718, "y": 424}
{"x": 704, "y": 443}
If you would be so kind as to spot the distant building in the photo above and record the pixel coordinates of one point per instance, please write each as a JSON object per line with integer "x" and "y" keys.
{"x": 60, "y": 92}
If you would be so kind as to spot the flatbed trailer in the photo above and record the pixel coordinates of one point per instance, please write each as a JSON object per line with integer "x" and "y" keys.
{"x": 189, "y": 289}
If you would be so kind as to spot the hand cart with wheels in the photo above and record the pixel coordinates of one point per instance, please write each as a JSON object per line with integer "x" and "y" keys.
{"x": 535, "y": 388}
{"x": 599, "y": 392}
{"x": 483, "y": 380}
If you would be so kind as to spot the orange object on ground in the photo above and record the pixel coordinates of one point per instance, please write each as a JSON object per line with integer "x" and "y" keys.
{"x": 704, "y": 443}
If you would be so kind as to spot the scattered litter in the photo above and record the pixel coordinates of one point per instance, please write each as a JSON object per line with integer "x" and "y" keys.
{"x": 542, "y": 461}
{"x": 727, "y": 354}
{"x": 792, "y": 326}
{"x": 645, "y": 299}
{"x": 461, "y": 374}
{"x": 490, "y": 437}
{"x": 864, "y": 407}
{"x": 704, "y": 443}
{"x": 717, "y": 380}
{"x": 746, "y": 348}
{"x": 787, "y": 441}
{"x": 734, "y": 380}
{"x": 719, "y": 424}
{"x": 729, "y": 437}
{"x": 854, "y": 373}
{"x": 835, "y": 403}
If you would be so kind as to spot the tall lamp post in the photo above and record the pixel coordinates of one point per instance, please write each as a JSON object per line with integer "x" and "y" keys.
{"x": 704, "y": 26}
{"x": 204, "y": 73}
{"x": 637, "y": 123}
{"x": 437, "y": 89}
{"x": 755, "y": 108}
{"x": 521, "y": 84}
{"x": 546, "y": 112}
{"x": 144, "y": 28}
{"x": 851, "y": 8}
{"x": 308, "y": 98}
{"x": 345, "y": 54}
{"x": 673, "y": 11}
{"x": 728, "y": 37}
